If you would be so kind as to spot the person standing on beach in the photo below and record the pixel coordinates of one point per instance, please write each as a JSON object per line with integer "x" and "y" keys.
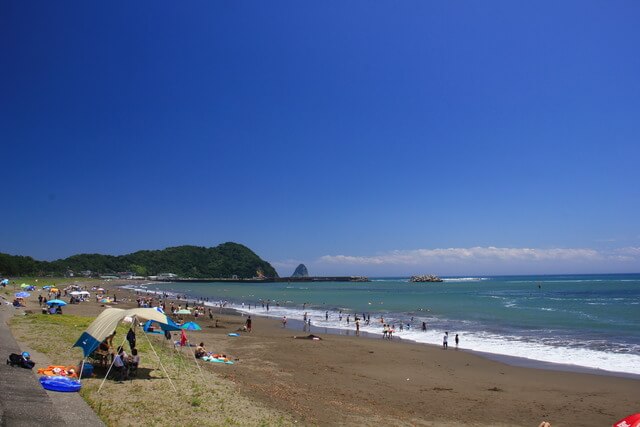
{"x": 131, "y": 337}
{"x": 457, "y": 340}
{"x": 445, "y": 341}
{"x": 284, "y": 321}
{"x": 248, "y": 324}
{"x": 424, "y": 326}
{"x": 326, "y": 316}
{"x": 357, "y": 327}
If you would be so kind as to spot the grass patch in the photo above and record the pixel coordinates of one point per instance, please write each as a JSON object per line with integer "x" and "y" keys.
{"x": 202, "y": 398}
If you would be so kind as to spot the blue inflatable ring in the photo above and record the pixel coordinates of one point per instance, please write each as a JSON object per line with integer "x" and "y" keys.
{"x": 58, "y": 383}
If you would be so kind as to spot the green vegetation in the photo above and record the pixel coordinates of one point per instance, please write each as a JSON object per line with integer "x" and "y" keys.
{"x": 203, "y": 398}
{"x": 225, "y": 260}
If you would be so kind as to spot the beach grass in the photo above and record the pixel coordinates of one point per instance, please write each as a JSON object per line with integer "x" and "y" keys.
{"x": 203, "y": 395}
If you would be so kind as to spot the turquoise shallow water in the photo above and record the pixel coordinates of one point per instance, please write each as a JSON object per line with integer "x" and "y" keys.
{"x": 585, "y": 320}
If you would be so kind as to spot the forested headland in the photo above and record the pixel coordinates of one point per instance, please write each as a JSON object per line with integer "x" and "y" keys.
{"x": 223, "y": 261}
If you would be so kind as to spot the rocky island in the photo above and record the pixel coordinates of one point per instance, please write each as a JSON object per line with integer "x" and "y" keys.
{"x": 301, "y": 271}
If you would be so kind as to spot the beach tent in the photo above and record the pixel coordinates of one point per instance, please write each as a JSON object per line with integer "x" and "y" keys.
{"x": 78, "y": 293}
{"x": 107, "y": 322}
{"x": 183, "y": 311}
{"x": 23, "y": 295}
{"x": 191, "y": 326}
{"x": 24, "y": 285}
{"x": 170, "y": 326}
{"x": 4, "y": 282}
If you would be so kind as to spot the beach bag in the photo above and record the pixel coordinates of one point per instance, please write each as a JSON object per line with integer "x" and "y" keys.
{"x": 17, "y": 359}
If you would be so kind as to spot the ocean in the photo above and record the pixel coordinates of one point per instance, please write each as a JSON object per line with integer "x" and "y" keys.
{"x": 588, "y": 321}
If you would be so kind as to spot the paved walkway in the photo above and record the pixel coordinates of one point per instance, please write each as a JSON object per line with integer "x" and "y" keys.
{"x": 23, "y": 401}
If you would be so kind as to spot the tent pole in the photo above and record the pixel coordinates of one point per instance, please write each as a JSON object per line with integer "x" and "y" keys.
{"x": 111, "y": 366}
{"x": 161, "y": 365}
{"x": 197, "y": 364}
{"x": 81, "y": 369}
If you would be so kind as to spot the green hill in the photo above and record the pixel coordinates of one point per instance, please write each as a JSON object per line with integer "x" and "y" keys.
{"x": 225, "y": 260}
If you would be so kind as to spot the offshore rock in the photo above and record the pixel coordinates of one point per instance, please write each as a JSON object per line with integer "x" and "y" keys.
{"x": 301, "y": 271}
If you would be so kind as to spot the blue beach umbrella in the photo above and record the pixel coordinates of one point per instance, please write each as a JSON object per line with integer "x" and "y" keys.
{"x": 191, "y": 326}
{"x": 4, "y": 282}
{"x": 57, "y": 302}
{"x": 23, "y": 295}
{"x": 47, "y": 287}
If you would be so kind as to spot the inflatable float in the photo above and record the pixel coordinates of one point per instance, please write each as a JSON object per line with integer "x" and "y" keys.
{"x": 63, "y": 384}
{"x": 59, "y": 371}
{"x": 234, "y": 334}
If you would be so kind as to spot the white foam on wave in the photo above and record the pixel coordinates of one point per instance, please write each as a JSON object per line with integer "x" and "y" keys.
{"x": 464, "y": 279}
{"x": 476, "y": 341}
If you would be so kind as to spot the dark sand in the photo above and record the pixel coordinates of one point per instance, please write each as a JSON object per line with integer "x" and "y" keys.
{"x": 344, "y": 380}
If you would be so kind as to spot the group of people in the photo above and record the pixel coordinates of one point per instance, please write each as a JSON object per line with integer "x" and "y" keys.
{"x": 445, "y": 341}
{"x": 124, "y": 364}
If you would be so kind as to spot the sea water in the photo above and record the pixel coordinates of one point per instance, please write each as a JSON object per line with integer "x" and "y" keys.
{"x": 590, "y": 321}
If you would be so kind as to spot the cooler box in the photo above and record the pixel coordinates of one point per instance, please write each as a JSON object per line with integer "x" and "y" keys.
{"x": 87, "y": 371}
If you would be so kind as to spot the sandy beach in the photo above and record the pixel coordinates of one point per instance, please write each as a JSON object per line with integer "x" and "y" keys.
{"x": 346, "y": 380}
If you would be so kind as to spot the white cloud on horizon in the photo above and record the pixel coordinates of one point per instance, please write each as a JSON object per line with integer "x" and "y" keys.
{"x": 473, "y": 260}
{"x": 478, "y": 253}
{"x": 484, "y": 260}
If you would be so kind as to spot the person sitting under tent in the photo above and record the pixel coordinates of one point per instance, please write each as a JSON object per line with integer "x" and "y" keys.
{"x": 119, "y": 366}
{"x": 104, "y": 350}
{"x": 132, "y": 362}
{"x": 200, "y": 351}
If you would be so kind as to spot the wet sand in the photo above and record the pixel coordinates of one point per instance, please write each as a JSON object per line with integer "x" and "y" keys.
{"x": 343, "y": 380}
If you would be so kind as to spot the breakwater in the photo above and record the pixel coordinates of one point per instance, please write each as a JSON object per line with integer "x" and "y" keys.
{"x": 271, "y": 279}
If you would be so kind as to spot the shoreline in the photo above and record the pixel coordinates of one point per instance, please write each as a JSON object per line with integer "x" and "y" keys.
{"x": 344, "y": 380}
{"x": 516, "y": 361}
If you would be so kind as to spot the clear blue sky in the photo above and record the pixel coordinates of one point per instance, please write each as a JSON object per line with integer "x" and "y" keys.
{"x": 357, "y": 137}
